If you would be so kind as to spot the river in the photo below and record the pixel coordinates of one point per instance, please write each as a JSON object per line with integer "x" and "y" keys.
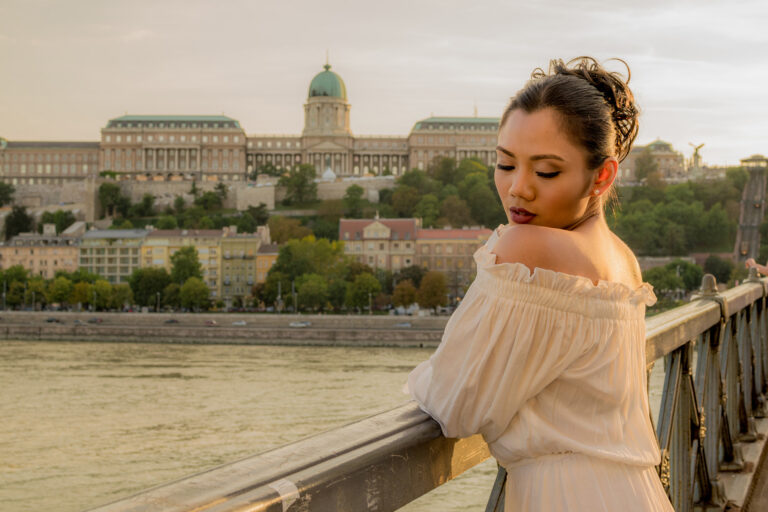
{"x": 87, "y": 423}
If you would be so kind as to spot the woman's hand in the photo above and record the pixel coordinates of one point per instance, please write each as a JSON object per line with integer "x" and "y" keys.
{"x": 750, "y": 262}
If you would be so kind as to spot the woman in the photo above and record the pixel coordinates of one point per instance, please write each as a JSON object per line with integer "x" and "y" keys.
{"x": 545, "y": 356}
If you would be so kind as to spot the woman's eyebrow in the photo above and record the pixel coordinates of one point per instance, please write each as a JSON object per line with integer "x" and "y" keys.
{"x": 534, "y": 157}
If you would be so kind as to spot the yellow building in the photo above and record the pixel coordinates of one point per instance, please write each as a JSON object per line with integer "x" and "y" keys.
{"x": 265, "y": 258}
{"x": 111, "y": 253}
{"x": 451, "y": 251}
{"x": 238, "y": 266}
{"x": 161, "y": 244}
{"x": 42, "y": 255}
{"x": 380, "y": 243}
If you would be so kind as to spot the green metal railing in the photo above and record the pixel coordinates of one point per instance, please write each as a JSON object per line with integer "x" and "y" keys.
{"x": 715, "y": 353}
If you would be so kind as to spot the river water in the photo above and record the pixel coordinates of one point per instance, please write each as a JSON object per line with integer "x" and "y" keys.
{"x": 87, "y": 423}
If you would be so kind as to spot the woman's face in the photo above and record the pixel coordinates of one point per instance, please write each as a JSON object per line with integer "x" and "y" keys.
{"x": 541, "y": 176}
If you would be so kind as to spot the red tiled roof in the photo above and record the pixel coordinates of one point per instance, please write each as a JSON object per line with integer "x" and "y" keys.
{"x": 401, "y": 229}
{"x": 269, "y": 249}
{"x": 454, "y": 234}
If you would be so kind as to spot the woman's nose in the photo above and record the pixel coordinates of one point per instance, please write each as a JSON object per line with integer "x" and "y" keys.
{"x": 521, "y": 186}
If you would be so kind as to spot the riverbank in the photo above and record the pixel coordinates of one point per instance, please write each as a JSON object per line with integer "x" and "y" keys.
{"x": 222, "y": 328}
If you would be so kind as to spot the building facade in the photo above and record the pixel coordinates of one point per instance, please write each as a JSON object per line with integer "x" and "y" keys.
{"x": 239, "y": 265}
{"x": 112, "y": 253}
{"x": 265, "y": 258}
{"x": 671, "y": 163}
{"x": 380, "y": 243}
{"x": 42, "y": 255}
{"x": 216, "y": 148}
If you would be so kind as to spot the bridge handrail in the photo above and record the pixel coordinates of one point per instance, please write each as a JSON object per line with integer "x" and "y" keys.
{"x": 385, "y": 461}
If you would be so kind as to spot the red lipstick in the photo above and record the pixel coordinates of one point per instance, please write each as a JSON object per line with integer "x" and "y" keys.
{"x": 521, "y": 215}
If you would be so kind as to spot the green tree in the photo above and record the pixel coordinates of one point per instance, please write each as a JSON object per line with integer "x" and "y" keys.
{"x": 209, "y": 201}
{"x": 102, "y": 292}
{"x": 16, "y": 273}
{"x": 443, "y": 169}
{"x": 277, "y": 286}
{"x": 362, "y": 290}
{"x": 18, "y": 221}
{"x": 259, "y": 214}
{"x": 122, "y": 296}
{"x": 82, "y": 293}
{"x": 185, "y": 264}
{"x": 433, "y": 290}
{"x": 282, "y": 229}
{"x": 179, "y": 204}
{"x": 109, "y": 197}
{"x": 312, "y": 291}
{"x": 221, "y": 190}
{"x": 6, "y": 193}
{"x": 246, "y": 223}
{"x": 419, "y": 180}
{"x": 337, "y": 292}
{"x": 172, "y": 295}
{"x": 61, "y": 218}
{"x": 718, "y": 267}
{"x": 59, "y": 290}
{"x": 167, "y": 222}
{"x": 413, "y": 273}
{"x": 299, "y": 184}
{"x": 36, "y": 292}
{"x": 146, "y": 283}
{"x": 404, "y": 293}
{"x": 15, "y": 296}
{"x": 310, "y": 256}
{"x": 456, "y": 212}
{"x": 194, "y": 294}
{"x": 353, "y": 201}
{"x": 664, "y": 279}
{"x": 427, "y": 209}
{"x": 404, "y": 200}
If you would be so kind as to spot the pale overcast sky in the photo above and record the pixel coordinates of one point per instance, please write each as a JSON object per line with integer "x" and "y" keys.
{"x": 699, "y": 68}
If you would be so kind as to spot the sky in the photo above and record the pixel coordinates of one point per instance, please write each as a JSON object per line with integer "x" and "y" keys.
{"x": 699, "y": 68}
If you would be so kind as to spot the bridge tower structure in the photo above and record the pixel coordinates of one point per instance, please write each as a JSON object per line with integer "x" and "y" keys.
{"x": 752, "y": 211}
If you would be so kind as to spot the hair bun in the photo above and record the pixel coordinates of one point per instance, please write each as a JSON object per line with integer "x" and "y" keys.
{"x": 614, "y": 89}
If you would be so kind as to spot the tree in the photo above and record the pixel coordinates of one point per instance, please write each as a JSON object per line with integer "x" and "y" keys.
{"x": 146, "y": 283}
{"x": 645, "y": 165}
{"x": 719, "y": 268}
{"x": 121, "y": 296}
{"x": 312, "y": 291}
{"x": 102, "y": 292}
{"x": 362, "y": 290}
{"x": 427, "y": 209}
{"x": 172, "y": 295}
{"x": 404, "y": 293}
{"x": 185, "y": 264}
{"x": 282, "y": 229}
{"x": 221, "y": 190}
{"x": 6, "y": 193}
{"x": 404, "y": 200}
{"x": 109, "y": 197}
{"x": 259, "y": 214}
{"x": 36, "y": 292}
{"x": 353, "y": 201}
{"x": 433, "y": 290}
{"x": 310, "y": 256}
{"x": 179, "y": 204}
{"x": 16, "y": 273}
{"x": 664, "y": 280}
{"x": 59, "y": 290}
{"x": 456, "y": 212}
{"x": 246, "y": 223}
{"x": 18, "y": 221}
{"x": 15, "y": 296}
{"x": 194, "y": 294}
{"x": 443, "y": 169}
{"x": 209, "y": 201}
{"x": 299, "y": 184}
{"x": 82, "y": 293}
{"x": 61, "y": 218}
{"x": 167, "y": 222}
{"x": 414, "y": 273}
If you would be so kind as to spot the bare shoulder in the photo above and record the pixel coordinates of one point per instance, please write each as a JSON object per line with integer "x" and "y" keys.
{"x": 534, "y": 246}
{"x": 630, "y": 261}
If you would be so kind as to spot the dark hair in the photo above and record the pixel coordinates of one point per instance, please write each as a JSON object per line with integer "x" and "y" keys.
{"x": 597, "y": 107}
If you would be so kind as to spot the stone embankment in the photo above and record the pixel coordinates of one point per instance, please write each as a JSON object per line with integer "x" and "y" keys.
{"x": 212, "y": 328}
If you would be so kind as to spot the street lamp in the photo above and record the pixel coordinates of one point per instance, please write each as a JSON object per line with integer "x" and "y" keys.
{"x": 157, "y": 307}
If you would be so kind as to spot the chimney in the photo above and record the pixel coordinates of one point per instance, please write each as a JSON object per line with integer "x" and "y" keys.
{"x": 49, "y": 229}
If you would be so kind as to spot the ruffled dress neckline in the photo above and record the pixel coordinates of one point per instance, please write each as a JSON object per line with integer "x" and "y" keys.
{"x": 569, "y": 284}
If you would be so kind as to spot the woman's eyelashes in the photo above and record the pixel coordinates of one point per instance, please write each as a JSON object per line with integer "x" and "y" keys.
{"x": 546, "y": 175}
{"x": 506, "y": 167}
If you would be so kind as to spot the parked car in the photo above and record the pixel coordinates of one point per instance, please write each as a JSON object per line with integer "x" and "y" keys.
{"x": 300, "y": 324}
{"x": 404, "y": 325}
{"x": 53, "y": 320}
{"x": 211, "y": 323}
{"x": 171, "y": 321}
{"x": 95, "y": 320}
{"x": 240, "y": 322}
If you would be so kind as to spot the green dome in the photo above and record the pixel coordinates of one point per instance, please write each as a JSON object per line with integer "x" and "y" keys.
{"x": 328, "y": 83}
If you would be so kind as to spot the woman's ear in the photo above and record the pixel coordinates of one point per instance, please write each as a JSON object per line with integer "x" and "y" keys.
{"x": 606, "y": 174}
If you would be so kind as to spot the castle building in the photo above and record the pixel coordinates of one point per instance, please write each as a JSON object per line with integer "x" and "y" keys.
{"x": 216, "y": 148}
{"x": 670, "y": 163}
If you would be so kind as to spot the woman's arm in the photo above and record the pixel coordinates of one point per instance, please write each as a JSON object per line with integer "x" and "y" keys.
{"x": 760, "y": 268}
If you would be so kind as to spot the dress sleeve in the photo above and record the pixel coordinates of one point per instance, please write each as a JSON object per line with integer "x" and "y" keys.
{"x": 497, "y": 352}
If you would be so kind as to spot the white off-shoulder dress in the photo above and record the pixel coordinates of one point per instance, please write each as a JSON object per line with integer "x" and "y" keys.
{"x": 550, "y": 369}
